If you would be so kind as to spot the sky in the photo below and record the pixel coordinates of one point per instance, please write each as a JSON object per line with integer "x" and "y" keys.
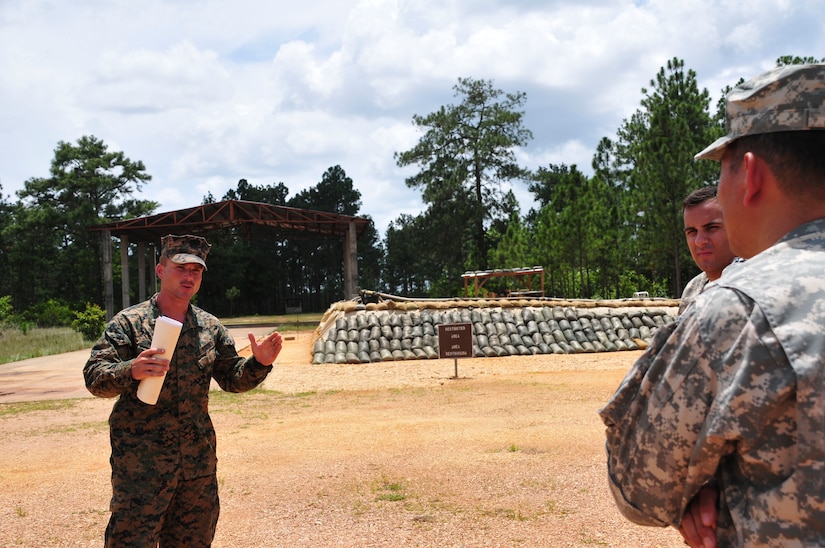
{"x": 208, "y": 92}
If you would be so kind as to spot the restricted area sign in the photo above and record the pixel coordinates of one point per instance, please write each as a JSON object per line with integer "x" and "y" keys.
{"x": 455, "y": 340}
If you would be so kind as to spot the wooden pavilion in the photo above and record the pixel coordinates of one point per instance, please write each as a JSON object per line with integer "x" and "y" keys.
{"x": 197, "y": 220}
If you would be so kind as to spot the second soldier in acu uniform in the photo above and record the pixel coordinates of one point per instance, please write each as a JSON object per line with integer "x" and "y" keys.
{"x": 727, "y": 405}
{"x": 164, "y": 483}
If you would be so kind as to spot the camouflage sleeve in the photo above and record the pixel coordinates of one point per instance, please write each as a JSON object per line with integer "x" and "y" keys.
{"x": 693, "y": 288}
{"x": 659, "y": 452}
{"x": 232, "y": 372}
{"x": 108, "y": 372}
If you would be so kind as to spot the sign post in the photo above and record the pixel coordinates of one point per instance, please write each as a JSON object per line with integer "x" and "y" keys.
{"x": 455, "y": 340}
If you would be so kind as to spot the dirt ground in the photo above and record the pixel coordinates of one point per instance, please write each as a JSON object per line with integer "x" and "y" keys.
{"x": 509, "y": 454}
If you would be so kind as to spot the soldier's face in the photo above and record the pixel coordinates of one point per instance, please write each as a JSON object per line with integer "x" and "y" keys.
{"x": 707, "y": 239}
{"x": 182, "y": 280}
{"x": 731, "y": 197}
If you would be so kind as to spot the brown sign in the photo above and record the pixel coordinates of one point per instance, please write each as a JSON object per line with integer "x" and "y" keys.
{"x": 455, "y": 340}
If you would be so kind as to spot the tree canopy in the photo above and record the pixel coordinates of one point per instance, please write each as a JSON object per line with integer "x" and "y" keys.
{"x": 465, "y": 154}
{"x": 604, "y": 234}
{"x": 51, "y": 252}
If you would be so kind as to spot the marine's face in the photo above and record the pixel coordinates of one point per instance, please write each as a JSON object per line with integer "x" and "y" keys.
{"x": 180, "y": 280}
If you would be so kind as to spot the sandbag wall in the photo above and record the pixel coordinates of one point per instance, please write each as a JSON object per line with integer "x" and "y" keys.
{"x": 367, "y": 336}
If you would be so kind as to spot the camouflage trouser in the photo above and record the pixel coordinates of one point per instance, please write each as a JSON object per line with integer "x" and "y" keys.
{"x": 169, "y": 512}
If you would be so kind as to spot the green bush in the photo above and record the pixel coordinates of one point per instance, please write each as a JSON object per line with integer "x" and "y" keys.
{"x": 6, "y": 309}
{"x": 51, "y": 313}
{"x": 90, "y": 322}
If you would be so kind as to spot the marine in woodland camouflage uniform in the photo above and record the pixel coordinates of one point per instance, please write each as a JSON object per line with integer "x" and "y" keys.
{"x": 732, "y": 394}
{"x": 164, "y": 456}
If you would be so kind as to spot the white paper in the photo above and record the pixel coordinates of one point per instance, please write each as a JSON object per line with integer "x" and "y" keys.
{"x": 166, "y": 336}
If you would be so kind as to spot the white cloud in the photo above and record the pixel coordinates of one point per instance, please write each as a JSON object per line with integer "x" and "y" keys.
{"x": 206, "y": 92}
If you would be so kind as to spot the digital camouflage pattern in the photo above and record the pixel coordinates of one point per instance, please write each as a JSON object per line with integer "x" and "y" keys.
{"x": 174, "y": 440}
{"x": 732, "y": 392}
{"x": 788, "y": 98}
{"x": 698, "y": 284}
{"x": 695, "y": 286}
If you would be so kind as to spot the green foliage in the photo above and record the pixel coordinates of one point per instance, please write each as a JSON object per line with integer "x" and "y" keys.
{"x": 32, "y": 342}
{"x": 655, "y": 150}
{"x": 390, "y": 491}
{"x": 90, "y": 322}
{"x": 231, "y": 294}
{"x": 6, "y": 309}
{"x": 796, "y": 60}
{"x": 466, "y": 152}
{"x": 632, "y": 281}
{"x": 49, "y": 240}
{"x": 50, "y": 313}
{"x": 270, "y": 266}
{"x": 608, "y": 235}
{"x": 574, "y": 230}
{"x": 406, "y": 251}
{"x": 513, "y": 249}
{"x": 23, "y": 408}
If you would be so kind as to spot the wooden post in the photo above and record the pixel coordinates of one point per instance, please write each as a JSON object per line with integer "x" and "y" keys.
{"x": 124, "y": 266}
{"x": 108, "y": 289}
{"x": 455, "y": 340}
{"x": 141, "y": 253}
{"x": 154, "y": 268}
{"x": 350, "y": 263}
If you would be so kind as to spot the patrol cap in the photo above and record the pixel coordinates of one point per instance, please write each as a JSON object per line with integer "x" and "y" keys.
{"x": 789, "y": 98}
{"x": 185, "y": 249}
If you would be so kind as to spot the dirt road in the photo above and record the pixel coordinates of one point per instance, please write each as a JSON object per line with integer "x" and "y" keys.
{"x": 390, "y": 454}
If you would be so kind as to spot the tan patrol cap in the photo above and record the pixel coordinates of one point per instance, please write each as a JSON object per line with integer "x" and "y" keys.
{"x": 789, "y": 98}
{"x": 185, "y": 249}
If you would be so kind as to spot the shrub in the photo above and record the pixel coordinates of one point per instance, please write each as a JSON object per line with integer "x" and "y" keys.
{"x": 6, "y": 309}
{"x": 90, "y": 322}
{"x": 51, "y": 313}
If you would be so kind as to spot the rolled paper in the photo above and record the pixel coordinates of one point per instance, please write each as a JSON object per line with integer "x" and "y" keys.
{"x": 166, "y": 336}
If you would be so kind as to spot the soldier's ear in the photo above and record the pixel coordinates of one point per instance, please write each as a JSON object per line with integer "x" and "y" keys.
{"x": 756, "y": 173}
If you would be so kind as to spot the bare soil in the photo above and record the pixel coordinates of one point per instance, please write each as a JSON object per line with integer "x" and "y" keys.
{"x": 509, "y": 454}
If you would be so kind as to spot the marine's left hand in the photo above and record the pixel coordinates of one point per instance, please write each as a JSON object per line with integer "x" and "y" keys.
{"x": 268, "y": 349}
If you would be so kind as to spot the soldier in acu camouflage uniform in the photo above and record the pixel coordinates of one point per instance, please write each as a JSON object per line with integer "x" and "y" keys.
{"x": 706, "y": 239}
{"x": 719, "y": 428}
{"x": 164, "y": 483}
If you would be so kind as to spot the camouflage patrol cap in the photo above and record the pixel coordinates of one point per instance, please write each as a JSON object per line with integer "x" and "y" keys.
{"x": 789, "y": 98}
{"x": 185, "y": 249}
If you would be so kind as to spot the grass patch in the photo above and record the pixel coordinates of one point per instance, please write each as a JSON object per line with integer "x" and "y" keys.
{"x": 589, "y": 539}
{"x": 285, "y": 322}
{"x": 556, "y": 509}
{"x": 20, "y": 408}
{"x": 90, "y": 426}
{"x": 391, "y": 491}
{"x": 15, "y": 345}
{"x": 506, "y": 513}
{"x": 232, "y": 399}
{"x": 257, "y": 404}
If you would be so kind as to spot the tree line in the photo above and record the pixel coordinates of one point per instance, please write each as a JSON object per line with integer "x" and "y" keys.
{"x": 603, "y": 235}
